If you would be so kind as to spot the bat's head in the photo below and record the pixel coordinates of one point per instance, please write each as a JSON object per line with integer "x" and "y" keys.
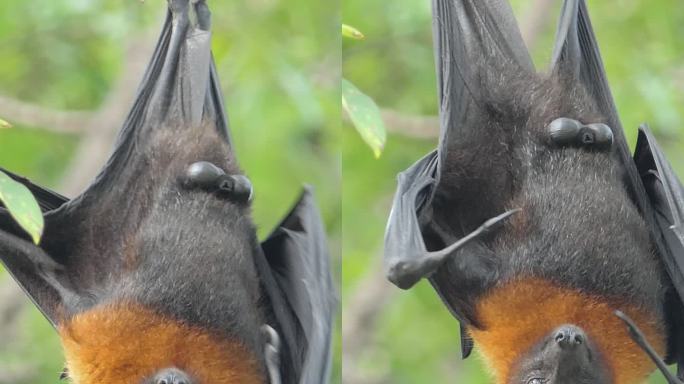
{"x": 565, "y": 356}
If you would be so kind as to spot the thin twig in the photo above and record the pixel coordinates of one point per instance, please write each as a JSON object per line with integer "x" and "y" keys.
{"x": 32, "y": 115}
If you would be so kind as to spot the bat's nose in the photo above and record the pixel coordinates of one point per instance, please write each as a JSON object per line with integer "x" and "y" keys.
{"x": 569, "y": 336}
{"x": 172, "y": 376}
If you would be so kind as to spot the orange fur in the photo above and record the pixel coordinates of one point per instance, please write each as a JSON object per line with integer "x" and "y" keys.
{"x": 519, "y": 314}
{"x": 124, "y": 343}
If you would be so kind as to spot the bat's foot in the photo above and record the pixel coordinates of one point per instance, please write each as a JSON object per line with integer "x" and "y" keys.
{"x": 179, "y": 7}
{"x": 566, "y": 132}
{"x": 203, "y": 15}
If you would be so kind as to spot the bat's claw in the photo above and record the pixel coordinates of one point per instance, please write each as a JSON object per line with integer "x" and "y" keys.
{"x": 496, "y": 221}
{"x": 272, "y": 353}
{"x": 640, "y": 340}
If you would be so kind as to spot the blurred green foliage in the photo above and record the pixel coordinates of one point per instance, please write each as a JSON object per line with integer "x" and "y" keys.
{"x": 279, "y": 64}
{"x": 416, "y": 339}
{"x": 22, "y": 206}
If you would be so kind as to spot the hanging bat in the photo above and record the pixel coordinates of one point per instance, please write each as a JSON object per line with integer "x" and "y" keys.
{"x": 532, "y": 220}
{"x": 154, "y": 274}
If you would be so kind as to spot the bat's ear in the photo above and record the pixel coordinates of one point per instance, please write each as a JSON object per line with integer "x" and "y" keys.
{"x": 37, "y": 273}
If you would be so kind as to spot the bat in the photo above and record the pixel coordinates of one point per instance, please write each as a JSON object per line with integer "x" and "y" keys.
{"x": 560, "y": 253}
{"x": 154, "y": 274}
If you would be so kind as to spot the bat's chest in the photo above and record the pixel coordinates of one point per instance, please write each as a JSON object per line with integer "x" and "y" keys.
{"x": 578, "y": 228}
{"x": 516, "y": 315}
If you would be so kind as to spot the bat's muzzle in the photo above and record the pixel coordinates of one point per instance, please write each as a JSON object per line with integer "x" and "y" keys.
{"x": 570, "y": 337}
{"x": 172, "y": 376}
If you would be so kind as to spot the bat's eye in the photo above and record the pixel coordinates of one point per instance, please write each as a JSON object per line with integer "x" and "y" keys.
{"x": 603, "y": 135}
{"x": 207, "y": 176}
{"x": 237, "y": 187}
{"x": 569, "y": 132}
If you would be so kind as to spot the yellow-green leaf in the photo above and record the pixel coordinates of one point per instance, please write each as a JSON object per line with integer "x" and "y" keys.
{"x": 351, "y": 32}
{"x": 5, "y": 124}
{"x": 365, "y": 116}
{"x": 22, "y": 206}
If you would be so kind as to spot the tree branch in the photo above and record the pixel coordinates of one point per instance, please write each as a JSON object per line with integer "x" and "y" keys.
{"x": 420, "y": 127}
{"x": 24, "y": 113}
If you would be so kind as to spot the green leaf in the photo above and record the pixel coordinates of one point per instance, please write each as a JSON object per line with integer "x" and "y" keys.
{"x": 351, "y": 32}
{"x": 5, "y": 124}
{"x": 22, "y": 206}
{"x": 365, "y": 115}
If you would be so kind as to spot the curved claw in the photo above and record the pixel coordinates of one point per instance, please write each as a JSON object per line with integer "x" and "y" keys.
{"x": 272, "y": 353}
{"x": 408, "y": 271}
{"x": 640, "y": 340}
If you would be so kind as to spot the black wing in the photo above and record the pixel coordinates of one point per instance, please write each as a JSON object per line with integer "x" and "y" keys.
{"x": 297, "y": 279}
{"x": 666, "y": 196}
{"x": 477, "y": 44}
{"x": 47, "y": 199}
